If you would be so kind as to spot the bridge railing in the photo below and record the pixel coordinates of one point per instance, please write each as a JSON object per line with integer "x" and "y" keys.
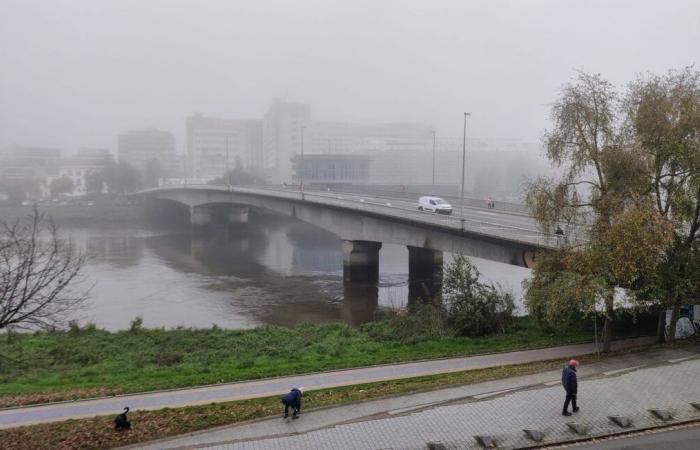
{"x": 386, "y": 207}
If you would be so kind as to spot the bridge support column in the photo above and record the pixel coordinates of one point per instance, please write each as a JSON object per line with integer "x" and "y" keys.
{"x": 361, "y": 261}
{"x": 238, "y": 215}
{"x": 200, "y": 215}
{"x": 424, "y": 274}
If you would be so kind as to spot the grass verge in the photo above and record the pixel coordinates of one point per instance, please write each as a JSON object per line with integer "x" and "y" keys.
{"x": 88, "y": 362}
{"x": 98, "y": 433}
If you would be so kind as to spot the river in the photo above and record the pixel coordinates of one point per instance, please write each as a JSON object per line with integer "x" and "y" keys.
{"x": 281, "y": 271}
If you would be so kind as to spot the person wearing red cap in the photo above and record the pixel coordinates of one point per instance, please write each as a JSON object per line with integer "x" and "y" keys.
{"x": 570, "y": 383}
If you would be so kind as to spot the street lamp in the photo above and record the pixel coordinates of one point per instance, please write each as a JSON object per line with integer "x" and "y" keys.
{"x": 464, "y": 158}
{"x": 433, "y": 160}
{"x": 301, "y": 164}
{"x": 228, "y": 169}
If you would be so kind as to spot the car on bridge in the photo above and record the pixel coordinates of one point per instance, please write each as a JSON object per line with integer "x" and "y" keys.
{"x": 434, "y": 204}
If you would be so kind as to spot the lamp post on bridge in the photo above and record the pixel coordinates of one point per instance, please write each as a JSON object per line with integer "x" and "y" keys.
{"x": 434, "y": 132}
{"x": 301, "y": 164}
{"x": 464, "y": 157}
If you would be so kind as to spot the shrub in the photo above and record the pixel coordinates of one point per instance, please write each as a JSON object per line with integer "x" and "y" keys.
{"x": 474, "y": 308}
{"x": 169, "y": 358}
{"x": 136, "y": 324}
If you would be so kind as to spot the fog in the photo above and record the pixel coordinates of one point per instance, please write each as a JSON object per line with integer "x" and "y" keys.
{"x": 77, "y": 73}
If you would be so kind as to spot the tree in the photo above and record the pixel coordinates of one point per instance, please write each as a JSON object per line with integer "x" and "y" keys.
{"x": 38, "y": 274}
{"x": 239, "y": 176}
{"x": 62, "y": 185}
{"x": 94, "y": 181}
{"x": 664, "y": 121}
{"x": 601, "y": 193}
{"x": 18, "y": 190}
{"x": 121, "y": 178}
{"x": 153, "y": 173}
{"x": 474, "y": 308}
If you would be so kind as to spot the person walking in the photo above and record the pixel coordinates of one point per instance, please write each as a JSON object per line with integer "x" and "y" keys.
{"x": 293, "y": 400}
{"x": 570, "y": 383}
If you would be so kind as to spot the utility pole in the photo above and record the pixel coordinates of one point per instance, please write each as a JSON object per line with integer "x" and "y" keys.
{"x": 301, "y": 164}
{"x": 433, "y": 160}
{"x": 464, "y": 158}
{"x": 228, "y": 169}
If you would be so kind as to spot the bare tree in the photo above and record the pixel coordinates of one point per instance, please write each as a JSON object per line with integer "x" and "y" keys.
{"x": 39, "y": 274}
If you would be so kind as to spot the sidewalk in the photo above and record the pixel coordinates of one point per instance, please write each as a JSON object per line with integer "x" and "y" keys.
{"x": 628, "y": 385}
{"x": 12, "y": 417}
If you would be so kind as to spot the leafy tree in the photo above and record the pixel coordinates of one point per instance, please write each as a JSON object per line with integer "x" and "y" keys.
{"x": 121, "y": 178}
{"x": 153, "y": 173}
{"x": 38, "y": 274}
{"x": 62, "y": 185}
{"x": 239, "y": 176}
{"x": 474, "y": 308}
{"x": 18, "y": 190}
{"x": 664, "y": 121}
{"x": 94, "y": 181}
{"x": 599, "y": 192}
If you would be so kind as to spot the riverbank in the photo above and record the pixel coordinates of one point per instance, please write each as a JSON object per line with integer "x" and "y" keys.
{"x": 88, "y": 362}
{"x": 97, "y": 432}
{"x": 99, "y": 213}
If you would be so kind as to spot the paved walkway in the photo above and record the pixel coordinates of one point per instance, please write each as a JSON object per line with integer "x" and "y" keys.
{"x": 12, "y": 417}
{"x": 628, "y": 385}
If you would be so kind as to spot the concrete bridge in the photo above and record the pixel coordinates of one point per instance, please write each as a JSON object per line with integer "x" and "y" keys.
{"x": 364, "y": 222}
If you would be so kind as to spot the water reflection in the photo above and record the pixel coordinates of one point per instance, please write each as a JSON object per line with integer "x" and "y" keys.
{"x": 279, "y": 272}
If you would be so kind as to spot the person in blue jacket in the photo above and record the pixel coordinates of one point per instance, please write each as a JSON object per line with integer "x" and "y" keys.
{"x": 570, "y": 383}
{"x": 293, "y": 400}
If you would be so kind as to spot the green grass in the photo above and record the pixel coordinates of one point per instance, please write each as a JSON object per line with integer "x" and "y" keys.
{"x": 98, "y": 433}
{"x": 86, "y": 362}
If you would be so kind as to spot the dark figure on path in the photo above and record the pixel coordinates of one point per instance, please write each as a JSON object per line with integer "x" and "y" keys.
{"x": 293, "y": 400}
{"x": 559, "y": 233}
{"x": 570, "y": 383}
{"x": 121, "y": 422}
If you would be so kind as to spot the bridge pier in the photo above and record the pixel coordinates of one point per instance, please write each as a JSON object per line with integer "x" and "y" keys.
{"x": 200, "y": 215}
{"x": 424, "y": 274}
{"x": 238, "y": 215}
{"x": 361, "y": 261}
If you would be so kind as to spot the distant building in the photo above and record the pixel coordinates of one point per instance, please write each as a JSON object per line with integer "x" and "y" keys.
{"x": 29, "y": 163}
{"x": 215, "y": 145}
{"x": 139, "y": 147}
{"x": 80, "y": 166}
{"x": 333, "y": 169}
{"x": 282, "y": 138}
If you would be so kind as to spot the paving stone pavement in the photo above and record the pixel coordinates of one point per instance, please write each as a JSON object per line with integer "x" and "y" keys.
{"x": 670, "y": 387}
{"x": 12, "y": 417}
{"x": 628, "y": 385}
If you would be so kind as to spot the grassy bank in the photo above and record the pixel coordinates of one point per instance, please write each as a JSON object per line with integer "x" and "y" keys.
{"x": 98, "y": 432}
{"x": 51, "y": 366}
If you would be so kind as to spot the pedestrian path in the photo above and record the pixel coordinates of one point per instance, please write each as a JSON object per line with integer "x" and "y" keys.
{"x": 12, "y": 417}
{"x": 502, "y": 409}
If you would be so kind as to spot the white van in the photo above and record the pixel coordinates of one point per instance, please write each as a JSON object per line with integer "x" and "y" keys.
{"x": 434, "y": 204}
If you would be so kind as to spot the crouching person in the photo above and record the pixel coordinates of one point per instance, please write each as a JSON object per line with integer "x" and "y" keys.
{"x": 293, "y": 400}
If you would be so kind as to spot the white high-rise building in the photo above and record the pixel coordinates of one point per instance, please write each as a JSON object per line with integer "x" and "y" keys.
{"x": 282, "y": 138}
{"x": 215, "y": 145}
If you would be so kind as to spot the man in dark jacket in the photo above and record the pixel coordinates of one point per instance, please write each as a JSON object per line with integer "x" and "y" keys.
{"x": 293, "y": 400}
{"x": 570, "y": 383}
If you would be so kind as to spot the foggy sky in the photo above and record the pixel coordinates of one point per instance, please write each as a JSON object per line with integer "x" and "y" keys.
{"x": 77, "y": 73}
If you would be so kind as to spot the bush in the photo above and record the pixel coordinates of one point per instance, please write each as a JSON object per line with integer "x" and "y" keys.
{"x": 474, "y": 308}
{"x": 169, "y": 358}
